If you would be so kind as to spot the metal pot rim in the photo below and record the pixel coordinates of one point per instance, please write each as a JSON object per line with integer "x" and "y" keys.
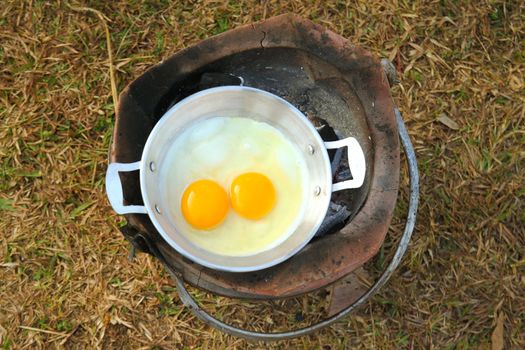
{"x": 324, "y": 194}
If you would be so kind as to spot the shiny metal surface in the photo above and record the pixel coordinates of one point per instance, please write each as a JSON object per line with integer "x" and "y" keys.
{"x": 356, "y": 162}
{"x": 114, "y": 188}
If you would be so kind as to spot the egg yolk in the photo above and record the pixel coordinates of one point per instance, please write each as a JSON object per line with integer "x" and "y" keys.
{"x": 252, "y": 195}
{"x": 204, "y": 204}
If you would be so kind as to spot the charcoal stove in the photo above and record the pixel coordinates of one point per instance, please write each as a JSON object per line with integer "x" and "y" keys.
{"x": 343, "y": 90}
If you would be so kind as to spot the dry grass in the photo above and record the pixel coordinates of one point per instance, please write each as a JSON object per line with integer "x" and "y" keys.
{"x": 65, "y": 278}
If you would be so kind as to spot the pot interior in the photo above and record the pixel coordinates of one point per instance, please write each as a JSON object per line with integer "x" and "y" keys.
{"x": 234, "y": 101}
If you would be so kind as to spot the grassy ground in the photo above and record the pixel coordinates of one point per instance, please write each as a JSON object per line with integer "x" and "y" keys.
{"x": 65, "y": 281}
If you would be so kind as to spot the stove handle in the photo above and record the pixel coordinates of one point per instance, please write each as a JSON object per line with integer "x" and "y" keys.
{"x": 114, "y": 188}
{"x": 356, "y": 163}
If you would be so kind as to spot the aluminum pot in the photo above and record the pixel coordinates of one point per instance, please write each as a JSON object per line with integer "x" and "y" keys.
{"x": 250, "y": 103}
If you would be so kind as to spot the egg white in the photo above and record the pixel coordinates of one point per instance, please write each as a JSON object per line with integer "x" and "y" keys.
{"x": 220, "y": 149}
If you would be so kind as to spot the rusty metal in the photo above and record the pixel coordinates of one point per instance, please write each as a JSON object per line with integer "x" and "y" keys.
{"x": 327, "y": 78}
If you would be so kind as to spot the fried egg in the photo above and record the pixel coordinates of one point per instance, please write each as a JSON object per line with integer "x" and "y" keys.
{"x": 234, "y": 186}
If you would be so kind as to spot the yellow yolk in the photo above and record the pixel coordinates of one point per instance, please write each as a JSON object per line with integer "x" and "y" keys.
{"x": 204, "y": 204}
{"x": 252, "y": 195}
{"x": 220, "y": 149}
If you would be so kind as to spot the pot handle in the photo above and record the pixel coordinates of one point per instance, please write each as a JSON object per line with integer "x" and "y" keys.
{"x": 356, "y": 163}
{"x": 114, "y": 188}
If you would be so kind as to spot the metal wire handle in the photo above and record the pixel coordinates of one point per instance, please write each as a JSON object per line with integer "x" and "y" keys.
{"x": 204, "y": 316}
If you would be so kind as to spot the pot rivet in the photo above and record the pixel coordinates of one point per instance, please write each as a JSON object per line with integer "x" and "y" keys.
{"x": 317, "y": 190}
{"x": 158, "y": 209}
{"x": 311, "y": 149}
{"x": 152, "y": 166}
